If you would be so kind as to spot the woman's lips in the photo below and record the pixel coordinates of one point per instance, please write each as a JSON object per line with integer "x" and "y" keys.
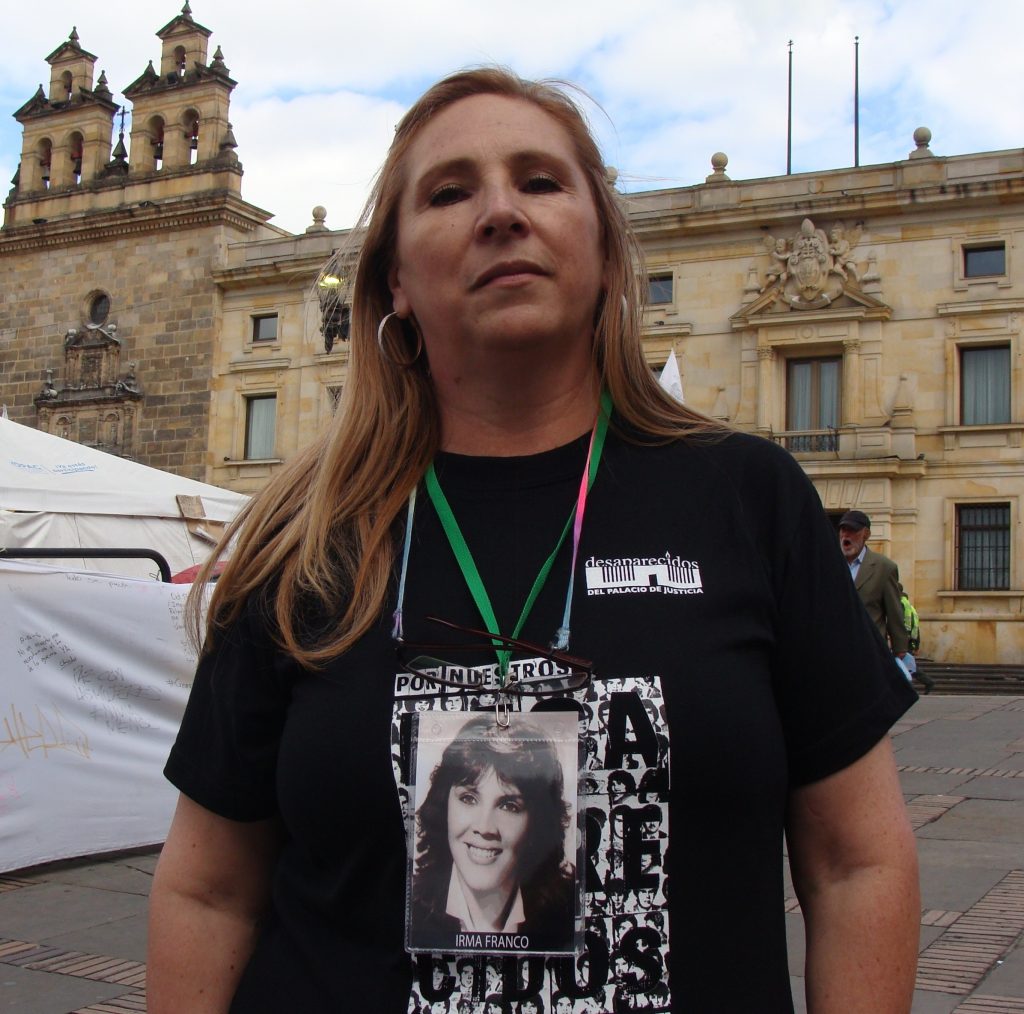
{"x": 508, "y": 272}
{"x": 482, "y": 856}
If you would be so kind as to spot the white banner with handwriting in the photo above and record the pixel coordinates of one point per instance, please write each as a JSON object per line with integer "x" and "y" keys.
{"x": 95, "y": 671}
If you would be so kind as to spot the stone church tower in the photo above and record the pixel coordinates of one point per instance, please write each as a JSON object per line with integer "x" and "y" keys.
{"x": 110, "y": 313}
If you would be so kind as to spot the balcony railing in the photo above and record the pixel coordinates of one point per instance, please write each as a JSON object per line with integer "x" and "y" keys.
{"x": 809, "y": 441}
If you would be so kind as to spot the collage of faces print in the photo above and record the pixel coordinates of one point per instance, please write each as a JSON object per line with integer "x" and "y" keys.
{"x": 622, "y": 811}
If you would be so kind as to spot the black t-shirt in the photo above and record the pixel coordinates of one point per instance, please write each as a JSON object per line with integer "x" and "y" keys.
{"x": 710, "y": 582}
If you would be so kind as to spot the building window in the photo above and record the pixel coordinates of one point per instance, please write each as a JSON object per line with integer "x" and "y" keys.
{"x": 984, "y": 385}
{"x": 264, "y": 328}
{"x": 99, "y": 309}
{"x": 983, "y": 547}
{"x": 260, "y": 419}
{"x": 333, "y": 398}
{"x": 980, "y": 261}
{"x": 813, "y": 403}
{"x": 659, "y": 289}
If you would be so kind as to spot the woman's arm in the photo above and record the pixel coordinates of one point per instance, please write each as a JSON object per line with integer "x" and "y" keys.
{"x": 211, "y": 886}
{"x": 854, "y": 864}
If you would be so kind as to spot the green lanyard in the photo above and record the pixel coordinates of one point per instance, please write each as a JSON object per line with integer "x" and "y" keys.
{"x": 575, "y": 521}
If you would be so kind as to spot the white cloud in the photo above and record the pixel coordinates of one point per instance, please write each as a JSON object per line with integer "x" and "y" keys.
{"x": 320, "y": 87}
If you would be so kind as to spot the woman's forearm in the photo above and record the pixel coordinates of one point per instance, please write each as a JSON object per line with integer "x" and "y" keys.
{"x": 210, "y": 890}
{"x": 854, "y": 864}
{"x": 862, "y": 942}
{"x": 197, "y": 953}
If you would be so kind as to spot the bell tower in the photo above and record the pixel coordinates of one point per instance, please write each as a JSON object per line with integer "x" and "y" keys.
{"x": 66, "y": 133}
{"x": 180, "y": 115}
{"x": 112, "y": 312}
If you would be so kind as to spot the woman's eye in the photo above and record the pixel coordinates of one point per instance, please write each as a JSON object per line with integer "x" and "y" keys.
{"x": 541, "y": 183}
{"x": 512, "y": 806}
{"x": 448, "y": 194}
{"x": 467, "y": 799}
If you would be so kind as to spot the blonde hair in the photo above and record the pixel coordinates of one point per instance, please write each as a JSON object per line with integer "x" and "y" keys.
{"x": 321, "y": 532}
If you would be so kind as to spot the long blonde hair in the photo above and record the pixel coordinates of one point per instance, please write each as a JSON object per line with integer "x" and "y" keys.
{"x": 321, "y": 532}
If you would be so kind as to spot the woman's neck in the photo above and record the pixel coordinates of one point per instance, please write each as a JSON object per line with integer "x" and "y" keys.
{"x": 507, "y": 416}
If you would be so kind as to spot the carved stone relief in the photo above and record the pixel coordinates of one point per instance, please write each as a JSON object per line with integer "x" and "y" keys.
{"x": 809, "y": 269}
{"x": 97, "y": 404}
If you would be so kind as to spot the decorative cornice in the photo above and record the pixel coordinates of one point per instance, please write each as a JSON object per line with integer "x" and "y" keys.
{"x": 890, "y": 467}
{"x": 865, "y": 192}
{"x": 37, "y": 108}
{"x": 980, "y": 306}
{"x": 150, "y": 82}
{"x": 666, "y": 329}
{"x": 280, "y": 269}
{"x": 788, "y": 318}
{"x": 216, "y": 207}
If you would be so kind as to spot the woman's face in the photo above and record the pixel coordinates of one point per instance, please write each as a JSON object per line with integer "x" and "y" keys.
{"x": 499, "y": 244}
{"x": 487, "y": 824}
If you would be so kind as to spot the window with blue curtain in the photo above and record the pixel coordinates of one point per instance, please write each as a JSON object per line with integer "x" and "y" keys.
{"x": 260, "y": 422}
{"x": 985, "y": 385}
{"x": 983, "y": 547}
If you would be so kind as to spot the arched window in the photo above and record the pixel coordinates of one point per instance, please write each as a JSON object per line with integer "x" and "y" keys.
{"x": 179, "y": 60}
{"x": 45, "y": 159}
{"x": 190, "y": 120}
{"x": 76, "y": 145}
{"x": 65, "y": 81}
{"x": 98, "y": 308}
{"x": 155, "y": 129}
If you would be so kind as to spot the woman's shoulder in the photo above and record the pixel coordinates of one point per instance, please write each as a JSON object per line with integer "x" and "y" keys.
{"x": 746, "y": 459}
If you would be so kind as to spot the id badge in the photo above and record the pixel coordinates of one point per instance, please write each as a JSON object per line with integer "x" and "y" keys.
{"x": 495, "y": 849}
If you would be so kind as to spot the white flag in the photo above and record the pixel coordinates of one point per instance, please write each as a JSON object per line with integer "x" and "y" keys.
{"x": 670, "y": 379}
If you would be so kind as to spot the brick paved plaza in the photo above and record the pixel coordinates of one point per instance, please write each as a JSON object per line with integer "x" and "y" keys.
{"x": 72, "y": 935}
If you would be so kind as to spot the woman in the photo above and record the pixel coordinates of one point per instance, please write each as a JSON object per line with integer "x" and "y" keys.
{"x": 491, "y": 841}
{"x": 498, "y": 272}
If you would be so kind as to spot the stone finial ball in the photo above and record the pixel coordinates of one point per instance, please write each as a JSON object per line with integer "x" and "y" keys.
{"x": 719, "y": 161}
{"x": 611, "y": 175}
{"x": 922, "y": 136}
{"x": 319, "y": 213}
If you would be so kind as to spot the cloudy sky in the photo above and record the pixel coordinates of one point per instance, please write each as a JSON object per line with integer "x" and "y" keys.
{"x": 321, "y": 86}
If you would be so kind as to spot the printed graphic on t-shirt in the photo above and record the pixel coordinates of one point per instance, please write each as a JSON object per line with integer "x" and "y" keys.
{"x": 668, "y": 574}
{"x": 623, "y": 775}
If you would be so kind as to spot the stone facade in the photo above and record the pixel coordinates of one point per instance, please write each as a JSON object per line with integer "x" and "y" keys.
{"x": 869, "y": 319}
{"x": 896, "y": 274}
{"x": 110, "y": 316}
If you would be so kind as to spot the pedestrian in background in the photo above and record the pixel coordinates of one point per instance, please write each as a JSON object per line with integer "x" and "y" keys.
{"x": 877, "y": 580}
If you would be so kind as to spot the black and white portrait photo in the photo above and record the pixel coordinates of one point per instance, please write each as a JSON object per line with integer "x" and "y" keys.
{"x": 494, "y": 865}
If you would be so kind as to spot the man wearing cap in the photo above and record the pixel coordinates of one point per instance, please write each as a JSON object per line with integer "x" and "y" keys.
{"x": 877, "y": 579}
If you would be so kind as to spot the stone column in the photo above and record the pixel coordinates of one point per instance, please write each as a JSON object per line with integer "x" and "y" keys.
{"x": 852, "y": 414}
{"x": 765, "y": 387}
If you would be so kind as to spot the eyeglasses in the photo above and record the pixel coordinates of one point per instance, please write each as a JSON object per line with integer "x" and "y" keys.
{"x": 546, "y": 672}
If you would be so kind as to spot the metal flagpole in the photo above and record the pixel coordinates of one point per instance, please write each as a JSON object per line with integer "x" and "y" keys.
{"x": 856, "y": 100}
{"x": 789, "y": 115}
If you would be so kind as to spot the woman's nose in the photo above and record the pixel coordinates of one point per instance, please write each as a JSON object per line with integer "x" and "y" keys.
{"x": 502, "y": 214}
{"x": 485, "y": 825}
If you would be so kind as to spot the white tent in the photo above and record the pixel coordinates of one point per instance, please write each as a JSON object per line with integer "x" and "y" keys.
{"x": 57, "y": 493}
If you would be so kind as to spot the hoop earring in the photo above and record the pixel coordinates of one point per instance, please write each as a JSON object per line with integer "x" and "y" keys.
{"x": 406, "y": 363}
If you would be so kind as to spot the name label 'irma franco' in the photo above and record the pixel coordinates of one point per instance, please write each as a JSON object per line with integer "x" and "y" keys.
{"x": 493, "y": 941}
